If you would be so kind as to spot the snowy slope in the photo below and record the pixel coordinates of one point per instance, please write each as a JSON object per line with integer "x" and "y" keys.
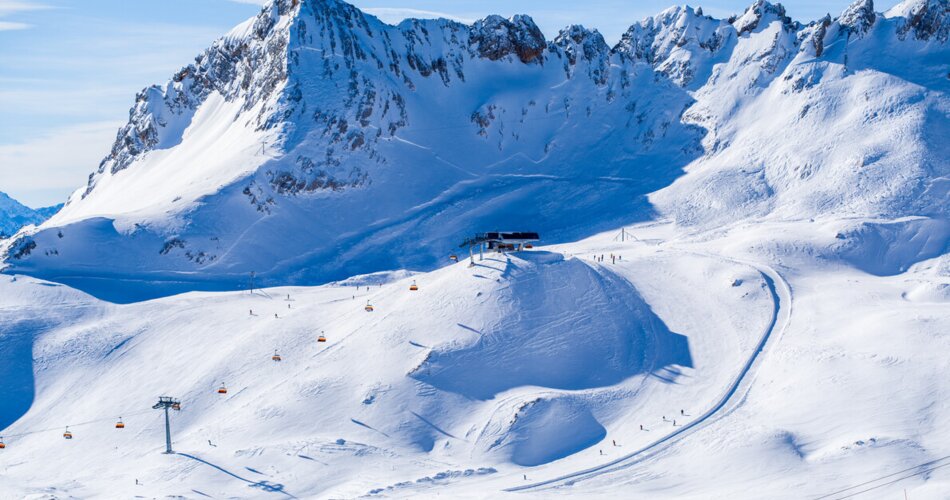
{"x": 782, "y": 291}
{"x": 518, "y": 361}
{"x": 14, "y": 215}
{"x": 795, "y": 375}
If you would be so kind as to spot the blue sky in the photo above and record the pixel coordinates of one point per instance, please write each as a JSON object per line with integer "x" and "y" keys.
{"x": 69, "y": 69}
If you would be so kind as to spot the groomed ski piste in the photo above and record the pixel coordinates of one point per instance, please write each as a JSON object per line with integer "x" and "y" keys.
{"x": 527, "y": 375}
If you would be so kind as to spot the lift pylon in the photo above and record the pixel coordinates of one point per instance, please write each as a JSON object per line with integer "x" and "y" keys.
{"x": 166, "y": 402}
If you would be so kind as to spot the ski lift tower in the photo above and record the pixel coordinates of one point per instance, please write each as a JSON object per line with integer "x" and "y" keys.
{"x": 165, "y": 403}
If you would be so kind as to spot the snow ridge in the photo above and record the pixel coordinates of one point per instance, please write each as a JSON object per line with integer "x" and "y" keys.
{"x": 314, "y": 111}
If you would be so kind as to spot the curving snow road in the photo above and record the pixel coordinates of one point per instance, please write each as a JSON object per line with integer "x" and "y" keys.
{"x": 782, "y": 297}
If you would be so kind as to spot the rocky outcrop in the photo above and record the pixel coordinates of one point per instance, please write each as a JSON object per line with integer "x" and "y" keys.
{"x": 858, "y": 18}
{"x": 927, "y": 20}
{"x": 580, "y": 44}
{"x": 496, "y": 37}
{"x": 761, "y": 10}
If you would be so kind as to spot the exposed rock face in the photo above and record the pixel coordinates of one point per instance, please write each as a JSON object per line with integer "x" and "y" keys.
{"x": 761, "y": 10}
{"x": 928, "y": 20}
{"x": 497, "y": 37}
{"x": 659, "y": 41}
{"x": 858, "y": 17}
{"x": 579, "y": 43}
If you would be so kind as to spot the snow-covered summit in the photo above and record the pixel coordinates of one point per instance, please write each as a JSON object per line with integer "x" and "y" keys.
{"x": 361, "y": 146}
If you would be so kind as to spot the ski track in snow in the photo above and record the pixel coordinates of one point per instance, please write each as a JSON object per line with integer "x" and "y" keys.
{"x": 781, "y": 294}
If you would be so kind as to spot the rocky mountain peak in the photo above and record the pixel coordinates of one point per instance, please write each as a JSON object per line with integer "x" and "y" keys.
{"x": 926, "y": 19}
{"x": 497, "y": 37}
{"x": 858, "y": 17}
{"x": 762, "y": 10}
{"x": 579, "y": 43}
{"x": 590, "y": 42}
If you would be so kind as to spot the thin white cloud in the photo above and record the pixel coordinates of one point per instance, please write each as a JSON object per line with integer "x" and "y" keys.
{"x": 10, "y": 26}
{"x": 45, "y": 170}
{"x": 8, "y": 7}
{"x": 395, "y": 15}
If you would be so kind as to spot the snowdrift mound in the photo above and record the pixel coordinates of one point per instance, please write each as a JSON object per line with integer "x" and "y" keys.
{"x": 545, "y": 430}
{"x": 561, "y": 325}
{"x": 28, "y": 308}
{"x": 890, "y": 248}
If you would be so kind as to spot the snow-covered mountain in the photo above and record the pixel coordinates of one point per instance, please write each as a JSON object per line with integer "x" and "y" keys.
{"x": 770, "y": 323}
{"x": 314, "y": 142}
{"x": 14, "y": 215}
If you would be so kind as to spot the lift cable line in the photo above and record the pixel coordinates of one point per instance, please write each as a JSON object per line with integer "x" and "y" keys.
{"x": 51, "y": 429}
{"x": 921, "y": 469}
{"x": 166, "y": 402}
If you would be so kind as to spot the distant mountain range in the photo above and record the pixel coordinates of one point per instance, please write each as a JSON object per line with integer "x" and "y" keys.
{"x": 14, "y": 215}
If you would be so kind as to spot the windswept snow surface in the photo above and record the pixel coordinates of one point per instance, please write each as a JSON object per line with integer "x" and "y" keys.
{"x": 776, "y": 325}
{"x": 787, "y": 373}
{"x": 522, "y": 360}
